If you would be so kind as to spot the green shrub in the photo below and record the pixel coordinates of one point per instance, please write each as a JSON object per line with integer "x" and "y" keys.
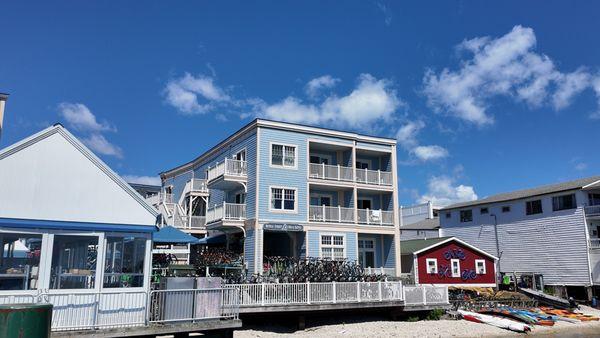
{"x": 412, "y": 319}
{"x": 435, "y": 314}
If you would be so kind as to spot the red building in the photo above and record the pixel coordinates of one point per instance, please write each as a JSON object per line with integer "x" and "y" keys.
{"x": 447, "y": 261}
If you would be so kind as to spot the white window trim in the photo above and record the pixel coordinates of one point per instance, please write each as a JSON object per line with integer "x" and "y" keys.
{"x": 283, "y": 166}
{"x": 435, "y": 267}
{"x": 345, "y": 246}
{"x": 283, "y": 211}
{"x": 477, "y": 270}
{"x": 452, "y": 267}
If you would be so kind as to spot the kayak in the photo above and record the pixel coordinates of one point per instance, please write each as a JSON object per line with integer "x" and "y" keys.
{"x": 495, "y": 321}
{"x": 569, "y": 314}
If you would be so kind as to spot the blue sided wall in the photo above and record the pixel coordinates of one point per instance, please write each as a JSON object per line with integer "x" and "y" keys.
{"x": 249, "y": 244}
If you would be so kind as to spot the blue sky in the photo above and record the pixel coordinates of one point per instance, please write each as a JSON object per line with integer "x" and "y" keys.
{"x": 482, "y": 98}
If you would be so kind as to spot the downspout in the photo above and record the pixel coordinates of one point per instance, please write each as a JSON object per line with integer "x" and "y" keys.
{"x": 3, "y": 98}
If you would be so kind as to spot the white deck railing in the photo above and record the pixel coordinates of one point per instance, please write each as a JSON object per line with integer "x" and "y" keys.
{"x": 331, "y": 214}
{"x": 229, "y": 167}
{"x": 595, "y": 243}
{"x": 91, "y": 310}
{"x": 331, "y": 172}
{"x": 266, "y": 294}
{"x": 197, "y": 222}
{"x": 198, "y": 185}
{"x": 377, "y": 177}
{"x": 426, "y": 295}
{"x": 592, "y": 211}
{"x": 226, "y": 211}
{"x": 375, "y": 217}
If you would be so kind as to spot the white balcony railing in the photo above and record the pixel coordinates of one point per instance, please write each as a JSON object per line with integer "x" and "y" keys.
{"x": 375, "y": 217}
{"x": 331, "y": 214}
{"x": 331, "y": 172}
{"x": 197, "y": 222}
{"x": 377, "y": 177}
{"x": 592, "y": 211}
{"x": 226, "y": 211}
{"x": 198, "y": 185}
{"x": 595, "y": 243}
{"x": 229, "y": 167}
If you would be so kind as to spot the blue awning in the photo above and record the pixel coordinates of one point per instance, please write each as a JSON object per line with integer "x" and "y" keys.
{"x": 68, "y": 225}
{"x": 172, "y": 235}
{"x": 219, "y": 239}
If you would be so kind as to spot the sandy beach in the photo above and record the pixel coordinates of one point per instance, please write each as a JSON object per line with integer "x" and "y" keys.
{"x": 375, "y": 327}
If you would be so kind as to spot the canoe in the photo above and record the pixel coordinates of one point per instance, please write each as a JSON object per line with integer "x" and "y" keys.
{"x": 495, "y": 321}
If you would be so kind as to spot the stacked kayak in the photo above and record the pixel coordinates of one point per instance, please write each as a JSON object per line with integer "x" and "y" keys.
{"x": 503, "y": 323}
{"x": 569, "y": 315}
{"x": 523, "y": 316}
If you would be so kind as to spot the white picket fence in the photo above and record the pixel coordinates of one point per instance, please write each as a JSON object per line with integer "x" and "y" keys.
{"x": 270, "y": 294}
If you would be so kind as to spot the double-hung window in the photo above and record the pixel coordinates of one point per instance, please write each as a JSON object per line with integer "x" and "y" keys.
{"x": 455, "y": 265}
{"x": 432, "y": 265}
{"x": 466, "y": 216}
{"x": 283, "y": 155}
{"x": 480, "y": 266}
{"x": 332, "y": 247}
{"x": 283, "y": 199}
{"x": 533, "y": 207}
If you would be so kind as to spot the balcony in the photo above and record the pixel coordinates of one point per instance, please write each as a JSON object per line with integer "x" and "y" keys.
{"x": 227, "y": 175}
{"x": 197, "y": 223}
{"x": 594, "y": 243}
{"x": 592, "y": 211}
{"x": 226, "y": 212}
{"x": 375, "y": 177}
{"x": 330, "y": 214}
{"x": 331, "y": 172}
{"x": 197, "y": 185}
{"x": 375, "y": 217}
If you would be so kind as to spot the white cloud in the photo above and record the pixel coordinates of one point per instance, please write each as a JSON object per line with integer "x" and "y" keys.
{"x": 569, "y": 85}
{"x": 194, "y": 95}
{"x": 407, "y": 138}
{"x": 99, "y": 144}
{"x": 407, "y": 134}
{"x": 506, "y": 66}
{"x": 372, "y": 101}
{"x": 596, "y": 85}
{"x": 387, "y": 13}
{"x": 442, "y": 191}
{"x": 148, "y": 180}
{"x": 79, "y": 117}
{"x": 314, "y": 86}
{"x": 430, "y": 153}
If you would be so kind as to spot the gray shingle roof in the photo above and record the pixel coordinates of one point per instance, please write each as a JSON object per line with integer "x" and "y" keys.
{"x": 426, "y": 224}
{"x": 546, "y": 189}
{"x": 412, "y": 245}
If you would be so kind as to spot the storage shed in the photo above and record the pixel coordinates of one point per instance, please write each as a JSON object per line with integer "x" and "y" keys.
{"x": 447, "y": 261}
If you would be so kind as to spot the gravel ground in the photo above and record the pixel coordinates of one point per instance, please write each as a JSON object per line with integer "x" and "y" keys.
{"x": 375, "y": 327}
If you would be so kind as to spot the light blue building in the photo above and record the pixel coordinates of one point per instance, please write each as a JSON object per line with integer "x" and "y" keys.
{"x": 282, "y": 189}
{"x": 551, "y": 230}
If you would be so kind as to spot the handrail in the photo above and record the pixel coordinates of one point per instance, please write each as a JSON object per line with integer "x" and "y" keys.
{"x": 229, "y": 167}
{"x": 331, "y": 214}
{"x": 226, "y": 211}
{"x": 377, "y": 177}
{"x": 375, "y": 217}
{"x": 331, "y": 172}
{"x": 592, "y": 210}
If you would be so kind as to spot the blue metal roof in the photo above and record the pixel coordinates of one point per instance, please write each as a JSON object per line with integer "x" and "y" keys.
{"x": 172, "y": 235}
{"x": 67, "y": 225}
{"x": 213, "y": 240}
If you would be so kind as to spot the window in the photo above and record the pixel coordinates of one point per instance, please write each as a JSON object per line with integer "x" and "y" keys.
{"x": 364, "y": 203}
{"x": 19, "y": 261}
{"x": 362, "y": 165}
{"x": 466, "y": 215}
{"x": 480, "y": 266}
{"x": 366, "y": 253}
{"x": 533, "y": 207}
{"x": 455, "y": 264}
{"x": 564, "y": 202}
{"x": 484, "y": 211}
{"x": 448, "y": 215}
{"x": 506, "y": 208}
{"x": 431, "y": 265}
{"x": 283, "y": 156}
{"x": 594, "y": 199}
{"x": 124, "y": 263}
{"x": 283, "y": 199}
{"x": 74, "y": 262}
{"x": 332, "y": 247}
{"x": 240, "y": 156}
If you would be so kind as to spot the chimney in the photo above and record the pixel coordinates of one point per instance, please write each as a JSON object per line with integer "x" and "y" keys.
{"x": 3, "y": 98}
